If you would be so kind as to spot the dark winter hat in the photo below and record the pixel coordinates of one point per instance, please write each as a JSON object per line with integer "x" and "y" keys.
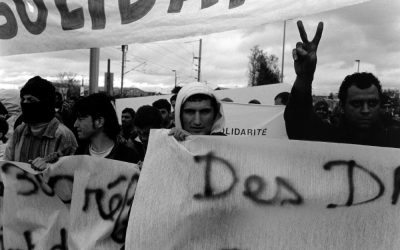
{"x": 41, "y": 89}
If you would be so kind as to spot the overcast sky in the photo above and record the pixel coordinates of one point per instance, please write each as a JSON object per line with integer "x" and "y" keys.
{"x": 368, "y": 32}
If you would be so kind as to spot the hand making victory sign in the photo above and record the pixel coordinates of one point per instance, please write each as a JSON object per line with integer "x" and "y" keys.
{"x": 305, "y": 53}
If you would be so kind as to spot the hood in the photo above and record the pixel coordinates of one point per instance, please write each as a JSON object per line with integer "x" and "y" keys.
{"x": 193, "y": 89}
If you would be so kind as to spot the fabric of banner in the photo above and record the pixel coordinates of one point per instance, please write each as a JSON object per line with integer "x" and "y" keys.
{"x": 81, "y": 202}
{"x": 37, "y": 26}
{"x": 218, "y": 192}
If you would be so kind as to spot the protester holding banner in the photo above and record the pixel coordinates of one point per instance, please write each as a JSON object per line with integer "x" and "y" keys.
{"x": 41, "y": 134}
{"x": 360, "y": 98}
{"x": 98, "y": 128}
{"x": 197, "y": 112}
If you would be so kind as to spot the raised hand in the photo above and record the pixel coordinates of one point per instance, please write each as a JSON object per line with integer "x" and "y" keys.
{"x": 305, "y": 53}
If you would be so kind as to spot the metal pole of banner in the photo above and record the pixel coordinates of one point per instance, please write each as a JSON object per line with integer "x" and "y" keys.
{"x": 283, "y": 49}
{"x": 94, "y": 70}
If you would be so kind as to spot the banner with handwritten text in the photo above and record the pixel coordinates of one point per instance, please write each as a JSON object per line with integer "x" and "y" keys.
{"x": 218, "y": 192}
{"x": 37, "y": 26}
{"x": 80, "y": 202}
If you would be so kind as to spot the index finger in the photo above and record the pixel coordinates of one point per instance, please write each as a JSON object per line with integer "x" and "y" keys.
{"x": 302, "y": 31}
{"x": 318, "y": 33}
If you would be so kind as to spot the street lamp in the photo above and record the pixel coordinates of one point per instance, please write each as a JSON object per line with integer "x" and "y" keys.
{"x": 175, "y": 76}
{"x": 358, "y": 65}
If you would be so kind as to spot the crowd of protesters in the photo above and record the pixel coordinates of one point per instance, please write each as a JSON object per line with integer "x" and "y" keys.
{"x": 50, "y": 128}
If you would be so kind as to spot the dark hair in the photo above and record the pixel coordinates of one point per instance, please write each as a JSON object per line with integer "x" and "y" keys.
{"x": 99, "y": 105}
{"x": 173, "y": 97}
{"x": 162, "y": 104}
{"x": 202, "y": 97}
{"x": 226, "y": 99}
{"x": 148, "y": 116}
{"x": 41, "y": 89}
{"x": 130, "y": 111}
{"x": 254, "y": 101}
{"x": 3, "y": 129}
{"x": 284, "y": 96}
{"x": 361, "y": 80}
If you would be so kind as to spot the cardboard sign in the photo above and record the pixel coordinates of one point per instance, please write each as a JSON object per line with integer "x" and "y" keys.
{"x": 85, "y": 24}
{"x": 81, "y": 202}
{"x": 218, "y": 192}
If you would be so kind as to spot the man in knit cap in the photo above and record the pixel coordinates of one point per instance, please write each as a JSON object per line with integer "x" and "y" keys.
{"x": 41, "y": 135}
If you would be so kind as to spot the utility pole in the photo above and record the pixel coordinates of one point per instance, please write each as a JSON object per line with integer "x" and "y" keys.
{"x": 283, "y": 49}
{"x": 94, "y": 70}
{"x": 109, "y": 80}
{"x": 124, "y": 50}
{"x": 199, "y": 62}
{"x": 175, "y": 76}
{"x": 358, "y": 65}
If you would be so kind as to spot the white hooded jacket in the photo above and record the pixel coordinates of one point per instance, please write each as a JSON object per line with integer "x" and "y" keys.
{"x": 193, "y": 89}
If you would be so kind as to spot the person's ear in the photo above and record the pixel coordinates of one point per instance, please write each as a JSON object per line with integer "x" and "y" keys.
{"x": 99, "y": 122}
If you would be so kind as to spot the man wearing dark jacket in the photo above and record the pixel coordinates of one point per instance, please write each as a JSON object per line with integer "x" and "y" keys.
{"x": 360, "y": 99}
{"x": 97, "y": 127}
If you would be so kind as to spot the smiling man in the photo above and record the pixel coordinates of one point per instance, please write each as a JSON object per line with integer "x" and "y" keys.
{"x": 360, "y": 96}
{"x": 197, "y": 112}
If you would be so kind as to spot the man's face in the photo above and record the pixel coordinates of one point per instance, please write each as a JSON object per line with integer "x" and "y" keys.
{"x": 321, "y": 110}
{"x": 198, "y": 117}
{"x": 29, "y": 99}
{"x": 143, "y": 134}
{"x": 126, "y": 120}
{"x": 165, "y": 115}
{"x": 85, "y": 127}
{"x": 278, "y": 101}
{"x": 361, "y": 108}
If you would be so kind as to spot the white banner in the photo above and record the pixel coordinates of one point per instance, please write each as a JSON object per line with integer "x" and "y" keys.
{"x": 37, "y": 25}
{"x": 82, "y": 202}
{"x": 218, "y": 192}
{"x": 240, "y": 118}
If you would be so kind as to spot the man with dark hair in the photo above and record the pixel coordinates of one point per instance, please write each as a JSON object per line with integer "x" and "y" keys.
{"x": 321, "y": 110}
{"x": 128, "y": 128}
{"x": 41, "y": 134}
{"x": 198, "y": 112}
{"x": 360, "y": 99}
{"x": 281, "y": 98}
{"x": 147, "y": 117}
{"x": 165, "y": 109}
{"x": 97, "y": 127}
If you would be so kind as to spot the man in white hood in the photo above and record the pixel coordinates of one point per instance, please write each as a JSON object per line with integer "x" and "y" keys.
{"x": 197, "y": 112}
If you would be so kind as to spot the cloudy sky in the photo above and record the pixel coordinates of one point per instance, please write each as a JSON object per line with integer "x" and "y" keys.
{"x": 368, "y": 32}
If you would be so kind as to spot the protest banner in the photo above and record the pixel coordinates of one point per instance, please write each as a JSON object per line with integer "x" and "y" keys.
{"x": 218, "y": 192}
{"x": 48, "y": 24}
{"x": 80, "y": 202}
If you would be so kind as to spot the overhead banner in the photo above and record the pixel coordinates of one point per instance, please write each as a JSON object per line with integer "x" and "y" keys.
{"x": 81, "y": 202}
{"x": 37, "y": 25}
{"x": 218, "y": 192}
